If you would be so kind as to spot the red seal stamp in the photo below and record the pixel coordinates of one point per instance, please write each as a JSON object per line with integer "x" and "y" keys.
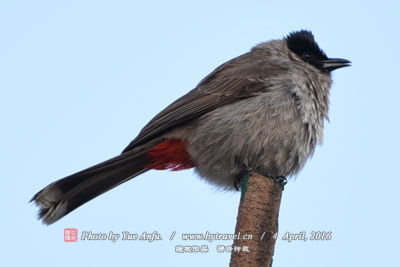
{"x": 70, "y": 234}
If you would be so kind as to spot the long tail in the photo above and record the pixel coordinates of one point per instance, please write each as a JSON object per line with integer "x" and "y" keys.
{"x": 63, "y": 196}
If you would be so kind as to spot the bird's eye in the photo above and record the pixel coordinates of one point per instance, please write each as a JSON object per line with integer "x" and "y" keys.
{"x": 307, "y": 56}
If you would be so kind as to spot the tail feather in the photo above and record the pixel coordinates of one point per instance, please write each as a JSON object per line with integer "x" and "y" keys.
{"x": 63, "y": 196}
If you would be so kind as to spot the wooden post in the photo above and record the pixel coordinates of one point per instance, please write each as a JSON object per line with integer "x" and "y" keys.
{"x": 258, "y": 217}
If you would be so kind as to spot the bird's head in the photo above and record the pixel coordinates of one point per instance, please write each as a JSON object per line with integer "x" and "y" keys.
{"x": 303, "y": 44}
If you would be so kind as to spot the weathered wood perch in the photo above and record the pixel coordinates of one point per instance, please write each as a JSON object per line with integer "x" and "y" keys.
{"x": 258, "y": 217}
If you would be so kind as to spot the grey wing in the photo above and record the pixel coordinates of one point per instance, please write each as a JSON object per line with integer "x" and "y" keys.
{"x": 232, "y": 81}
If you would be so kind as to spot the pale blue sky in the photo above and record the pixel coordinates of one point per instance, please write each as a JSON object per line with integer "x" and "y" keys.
{"x": 79, "y": 79}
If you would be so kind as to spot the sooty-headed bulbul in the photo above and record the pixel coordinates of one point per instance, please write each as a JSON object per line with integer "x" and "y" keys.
{"x": 263, "y": 111}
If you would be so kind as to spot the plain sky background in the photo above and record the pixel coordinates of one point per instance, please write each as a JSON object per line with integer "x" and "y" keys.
{"x": 79, "y": 79}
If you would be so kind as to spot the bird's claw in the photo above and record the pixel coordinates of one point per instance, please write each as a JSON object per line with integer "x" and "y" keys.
{"x": 240, "y": 176}
{"x": 278, "y": 178}
{"x": 237, "y": 180}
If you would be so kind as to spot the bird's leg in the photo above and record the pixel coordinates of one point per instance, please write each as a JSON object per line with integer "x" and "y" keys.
{"x": 277, "y": 178}
{"x": 280, "y": 179}
{"x": 240, "y": 176}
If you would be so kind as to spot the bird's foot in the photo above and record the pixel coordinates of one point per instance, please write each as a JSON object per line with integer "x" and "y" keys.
{"x": 277, "y": 178}
{"x": 241, "y": 175}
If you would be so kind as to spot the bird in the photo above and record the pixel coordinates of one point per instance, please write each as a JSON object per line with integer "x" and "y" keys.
{"x": 263, "y": 111}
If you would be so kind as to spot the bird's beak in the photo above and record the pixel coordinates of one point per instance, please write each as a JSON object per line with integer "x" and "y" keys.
{"x": 335, "y": 63}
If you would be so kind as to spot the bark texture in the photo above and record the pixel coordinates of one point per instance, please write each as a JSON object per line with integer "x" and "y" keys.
{"x": 258, "y": 217}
